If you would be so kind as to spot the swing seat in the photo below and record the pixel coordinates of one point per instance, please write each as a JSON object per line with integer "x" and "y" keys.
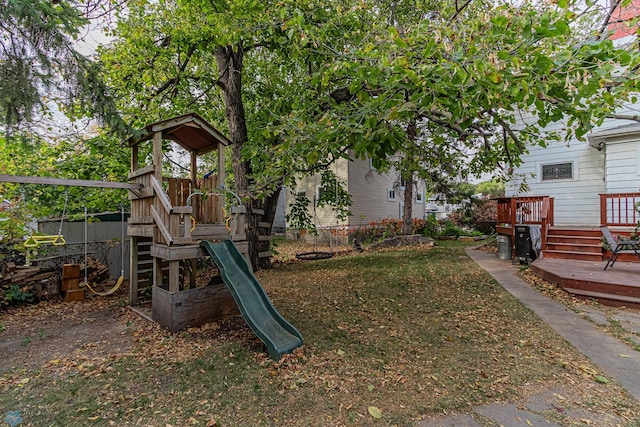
{"x": 54, "y": 239}
{"x": 314, "y": 256}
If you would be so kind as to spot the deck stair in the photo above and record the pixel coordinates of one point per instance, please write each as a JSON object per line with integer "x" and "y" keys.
{"x": 582, "y": 244}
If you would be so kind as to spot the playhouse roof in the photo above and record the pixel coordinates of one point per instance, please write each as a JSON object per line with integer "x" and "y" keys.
{"x": 190, "y": 131}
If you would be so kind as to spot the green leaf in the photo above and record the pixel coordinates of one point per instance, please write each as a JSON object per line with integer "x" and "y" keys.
{"x": 503, "y": 55}
{"x": 375, "y": 412}
{"x": 601, "y": 380}
{"x": 494, "y": 77}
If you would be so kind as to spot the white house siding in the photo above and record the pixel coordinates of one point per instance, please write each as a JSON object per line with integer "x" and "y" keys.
{"x": 369, "y": 190}
{"x": 369, "y": 193}
{"x": 324, "y": 216}
{"x": 623, "y": 164}
{"x": 613, "y": 169}
{"x": 622, "y": 175}
{"x": 576, "y": 200}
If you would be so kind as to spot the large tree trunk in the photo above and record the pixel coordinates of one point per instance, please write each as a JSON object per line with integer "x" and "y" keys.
{"x": 230, "y": 63}
{"x": 407, "y": 213}
{"x": 229, "y": 60}
{"x": 269, "y": 206}
{"x": 407, "y": 175}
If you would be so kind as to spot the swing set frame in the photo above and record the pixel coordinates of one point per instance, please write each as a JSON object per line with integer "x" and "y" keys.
{"x": 59, "y": 240}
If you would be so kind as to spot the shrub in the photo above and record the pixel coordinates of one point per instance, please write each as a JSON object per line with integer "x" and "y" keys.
{"x": 450, "y": 229}
{"x": 390, "y": 227}
{"x": 481, "y": 216}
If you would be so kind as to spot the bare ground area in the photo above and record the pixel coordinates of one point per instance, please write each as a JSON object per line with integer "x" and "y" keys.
{"x": 35, "y": 335}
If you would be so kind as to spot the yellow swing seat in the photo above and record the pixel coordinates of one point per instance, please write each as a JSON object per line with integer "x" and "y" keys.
{"x": 53, "y": 239}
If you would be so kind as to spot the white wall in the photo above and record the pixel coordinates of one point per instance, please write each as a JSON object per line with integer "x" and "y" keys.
{"x": 623, "y": 164}
{"x": 324, "y": 216}
{"x": 369, "y": 190}
{"x": 576, "y": 200}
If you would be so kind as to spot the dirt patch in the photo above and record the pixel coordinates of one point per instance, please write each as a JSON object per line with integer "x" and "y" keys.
{"x": 31, "y": 336}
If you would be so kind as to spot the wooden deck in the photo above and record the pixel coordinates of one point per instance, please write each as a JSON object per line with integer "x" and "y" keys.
{"x": 618, "y": 286}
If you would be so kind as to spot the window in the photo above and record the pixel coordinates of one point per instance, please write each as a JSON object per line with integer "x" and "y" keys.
{"x": 420, "y": 197}
{"x": 401, "y": 210}
{"x": 391, "y": 195}
{"x": 403, "y": 184}
{"x": 557, "y": 171}
{"x": 321, "y": 191}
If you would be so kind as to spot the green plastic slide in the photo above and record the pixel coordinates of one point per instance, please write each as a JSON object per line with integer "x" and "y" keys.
{"x": 256, "y": 308}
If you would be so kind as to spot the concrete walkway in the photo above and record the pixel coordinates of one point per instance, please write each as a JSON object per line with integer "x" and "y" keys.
{"x": 619, "y": 361}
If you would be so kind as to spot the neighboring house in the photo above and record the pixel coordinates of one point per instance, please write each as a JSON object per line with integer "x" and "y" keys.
{"x": 375, "y": 196}
{"x": 438, "y": 205}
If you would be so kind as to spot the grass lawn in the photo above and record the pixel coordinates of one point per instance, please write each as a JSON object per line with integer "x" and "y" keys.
{"x": 406, "y": 332}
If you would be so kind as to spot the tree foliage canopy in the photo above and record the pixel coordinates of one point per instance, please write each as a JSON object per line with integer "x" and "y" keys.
{"x": 466, "y": 74}
{"x": 322, "y": 78}
{"x": 40, "y": 65}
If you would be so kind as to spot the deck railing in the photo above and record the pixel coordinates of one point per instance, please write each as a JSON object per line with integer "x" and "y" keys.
{"x": 537, "y": 210}
{"x": 206, "y": 210}
{"x": 619, "y": 209}
{"x": 525, "y": 210}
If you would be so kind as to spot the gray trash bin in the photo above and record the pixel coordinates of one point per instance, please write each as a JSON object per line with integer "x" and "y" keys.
{"x": 504, "y": 246}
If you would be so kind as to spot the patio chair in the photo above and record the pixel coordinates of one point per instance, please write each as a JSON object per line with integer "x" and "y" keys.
{"x": 619, "y": 247}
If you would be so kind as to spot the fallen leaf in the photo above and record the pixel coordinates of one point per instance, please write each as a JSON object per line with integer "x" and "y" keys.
{"x": 602, "y": 380}
{"x": 375, "y": 412}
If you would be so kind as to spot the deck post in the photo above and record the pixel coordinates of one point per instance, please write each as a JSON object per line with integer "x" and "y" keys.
{"x": 603, "y": 210}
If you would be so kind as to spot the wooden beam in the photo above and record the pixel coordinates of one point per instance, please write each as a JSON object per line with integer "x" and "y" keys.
{"x": 162, "y": 227}
{"x": 68, "y": 182}
{"x": 161, "y": 195}
{"x": 142, "y": 171}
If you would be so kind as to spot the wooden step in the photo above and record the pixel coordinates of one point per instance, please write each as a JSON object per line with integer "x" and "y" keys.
{"x": 606, "y": 298}
{"x": 582, "y": 244}
{"x": 563, "y": 238}
{"x": 580, "y": 256}
{"x": 589, "y": 279}
{"x": 575, "y": 247}
{"x": 585, "y": 232}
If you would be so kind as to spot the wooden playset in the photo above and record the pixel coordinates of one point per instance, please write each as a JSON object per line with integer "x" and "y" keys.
{"x": 170, "y": 215}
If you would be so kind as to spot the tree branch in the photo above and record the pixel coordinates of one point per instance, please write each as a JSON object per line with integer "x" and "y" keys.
{"x": 505, "y": 126}
{"x": 607, "y": 19}
{"x": 459, "y": 9}
{"x": 634, "y": 117}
